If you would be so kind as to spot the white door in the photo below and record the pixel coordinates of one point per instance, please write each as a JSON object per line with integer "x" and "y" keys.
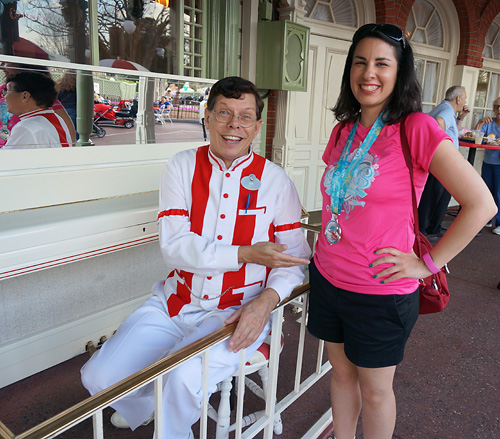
{"x": 313, "y": 116}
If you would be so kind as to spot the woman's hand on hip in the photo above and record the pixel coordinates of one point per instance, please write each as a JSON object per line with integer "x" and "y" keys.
{"x": 404, "y": 265}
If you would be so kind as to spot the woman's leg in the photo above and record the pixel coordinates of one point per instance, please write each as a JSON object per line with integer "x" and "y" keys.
{"x": 379, "y": 402}
{"x": 345, "y": 392}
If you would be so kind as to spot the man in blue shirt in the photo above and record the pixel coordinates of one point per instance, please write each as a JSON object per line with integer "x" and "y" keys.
{"x": 435, "y": 198}
{"x": 490, "y": 170}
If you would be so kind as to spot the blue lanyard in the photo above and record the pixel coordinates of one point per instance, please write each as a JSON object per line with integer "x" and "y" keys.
{"x": 341, "y": 175}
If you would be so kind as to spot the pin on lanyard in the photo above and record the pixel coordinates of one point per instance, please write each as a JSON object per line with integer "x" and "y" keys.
{"x": 340, "y": 176}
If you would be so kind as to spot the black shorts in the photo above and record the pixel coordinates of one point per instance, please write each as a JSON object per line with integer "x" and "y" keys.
{"x": 373, "y": 328}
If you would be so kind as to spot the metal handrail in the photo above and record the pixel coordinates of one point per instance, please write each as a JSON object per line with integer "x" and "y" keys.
{"x": 86, "y": 408}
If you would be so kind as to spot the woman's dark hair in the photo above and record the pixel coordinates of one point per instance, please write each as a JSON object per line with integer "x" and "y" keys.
{"x": 40, "y": 86}
{"x": 233, "y": 87}
{"x": 407, "y": 94}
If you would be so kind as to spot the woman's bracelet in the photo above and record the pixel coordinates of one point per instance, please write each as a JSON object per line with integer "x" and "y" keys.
{"x": 429, "y": 263}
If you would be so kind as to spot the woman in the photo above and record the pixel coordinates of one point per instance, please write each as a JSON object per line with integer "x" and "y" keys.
{"x": 364, "y": 279}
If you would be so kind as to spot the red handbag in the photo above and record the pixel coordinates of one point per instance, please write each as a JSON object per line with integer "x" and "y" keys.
{"x": 433, "y": 290}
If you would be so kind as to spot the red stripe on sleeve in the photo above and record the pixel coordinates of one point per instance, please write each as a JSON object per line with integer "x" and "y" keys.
{"x": 285, "y": 227}
{"x": 173, "y": 212}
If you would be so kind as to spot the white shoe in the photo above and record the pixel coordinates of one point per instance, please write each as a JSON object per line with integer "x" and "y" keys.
{"x": 119, "y": 421}
{"x": 496, "y": 230}
{"x": 490, "y": 224}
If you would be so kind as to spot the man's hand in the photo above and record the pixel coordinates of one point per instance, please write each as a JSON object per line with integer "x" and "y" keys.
{"x": 483, "y": 121}
{"x": 252, "y": 318}
{"x": 268, "y": 254}
{"x": 465, "y": 111}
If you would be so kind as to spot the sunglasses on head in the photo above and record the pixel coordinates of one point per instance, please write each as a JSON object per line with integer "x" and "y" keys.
{"x": 389, "y": 30}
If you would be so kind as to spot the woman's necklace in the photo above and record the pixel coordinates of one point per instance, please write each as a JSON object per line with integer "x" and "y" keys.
{"x": 342, "y": 174}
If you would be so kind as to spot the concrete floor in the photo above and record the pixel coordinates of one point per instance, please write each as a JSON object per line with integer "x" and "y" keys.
{"x": 447, "y": 387}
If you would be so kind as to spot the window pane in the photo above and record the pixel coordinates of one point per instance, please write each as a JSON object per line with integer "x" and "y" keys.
{"x": 429, "y": 89}
{"x": 435, "y": 31}
{"x": 332, "y": 11}
{"x": 496, "y": 49}
{"x": 482, "y": 89}
{"x": 419, "y": 36}
{"x": 323, "y": 13}
{"x": 490, "y": 35}
{"x": 420, "y": 65}
{"x": 493, "y": 90}
{"x": 45, "y": 29}
{"x": 423, "y": 11}
{"x": 344, "y": 12}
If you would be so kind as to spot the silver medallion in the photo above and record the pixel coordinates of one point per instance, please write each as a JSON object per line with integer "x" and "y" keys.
{"x": 333, "y": 231}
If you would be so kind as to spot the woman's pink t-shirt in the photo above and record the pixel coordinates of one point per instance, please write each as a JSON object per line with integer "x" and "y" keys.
{"x": 377, "y": 211}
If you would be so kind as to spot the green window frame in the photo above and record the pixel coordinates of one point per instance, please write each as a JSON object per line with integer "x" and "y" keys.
{"x": 192, "y": 38}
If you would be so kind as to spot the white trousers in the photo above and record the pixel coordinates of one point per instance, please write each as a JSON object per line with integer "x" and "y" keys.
{"x": 148, "y": 335}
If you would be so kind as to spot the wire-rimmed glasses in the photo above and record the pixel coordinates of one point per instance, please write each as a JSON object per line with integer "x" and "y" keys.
{"x": 246, "y": 120}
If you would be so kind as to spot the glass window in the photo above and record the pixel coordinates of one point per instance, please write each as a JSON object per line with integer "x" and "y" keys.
{"x": 194, "y": 43}
{"x": 487, "y": 91}
{"x": 427, "y": 74}
{"x": 333, "y": 11}
{"x": 46, "y": 29}
{"x": 135, "y": 34}
{"x": 424, "y": 25}
{"x": 492, "y": 42}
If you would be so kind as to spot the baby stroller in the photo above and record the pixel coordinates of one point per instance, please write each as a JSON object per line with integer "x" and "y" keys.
{"x": 100, "y": 132}
{"x": 105, "y": 115}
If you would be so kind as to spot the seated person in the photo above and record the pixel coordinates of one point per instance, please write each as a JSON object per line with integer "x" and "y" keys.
{"x": 229, "y": 226}
{"x": 164, "y": 103}
{"x": 30, "y": 95}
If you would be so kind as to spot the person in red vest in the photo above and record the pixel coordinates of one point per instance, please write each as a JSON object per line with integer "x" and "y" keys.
{"x": 230, "y": 236}
{"x": 30, "y": 95}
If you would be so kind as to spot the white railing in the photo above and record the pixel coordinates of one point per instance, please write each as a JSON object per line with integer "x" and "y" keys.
{"x": 262, "y": 421}
{"x": 93, "y": 406}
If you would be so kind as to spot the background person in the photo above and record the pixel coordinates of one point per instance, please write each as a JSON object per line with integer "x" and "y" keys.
{"x": 364, "y": 276}
{"x": 490, "y": 170}
{"x": 435, "y": 198}
{"x": 66, "y": 93}
{"x": 6, "y": 124}
{"x": 229, "y": 223}
{"x": 30, "y": 95}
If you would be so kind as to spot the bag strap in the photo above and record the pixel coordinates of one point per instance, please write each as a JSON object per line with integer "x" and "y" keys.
{"x": 342, "y": 125}
{"x": 409, "y": 164}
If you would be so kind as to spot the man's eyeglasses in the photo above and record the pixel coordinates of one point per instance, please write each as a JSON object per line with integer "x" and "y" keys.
{"x": 496, "y": 107}
{"x": 246, "y": 120}
{"x": 389, "y": 30}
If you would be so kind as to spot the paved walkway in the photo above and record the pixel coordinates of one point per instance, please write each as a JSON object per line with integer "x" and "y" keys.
{"x": 177, "y": 131}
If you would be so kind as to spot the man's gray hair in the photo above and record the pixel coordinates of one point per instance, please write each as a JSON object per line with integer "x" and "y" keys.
{"x": 453, "y": 92}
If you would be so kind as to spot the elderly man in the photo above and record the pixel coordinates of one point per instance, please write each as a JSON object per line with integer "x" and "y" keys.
{"x": 30, "y": 95}
{"x": 490, "y": 170}
{"x": 435, "y": 198}
{"x": 230, "y": 237}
